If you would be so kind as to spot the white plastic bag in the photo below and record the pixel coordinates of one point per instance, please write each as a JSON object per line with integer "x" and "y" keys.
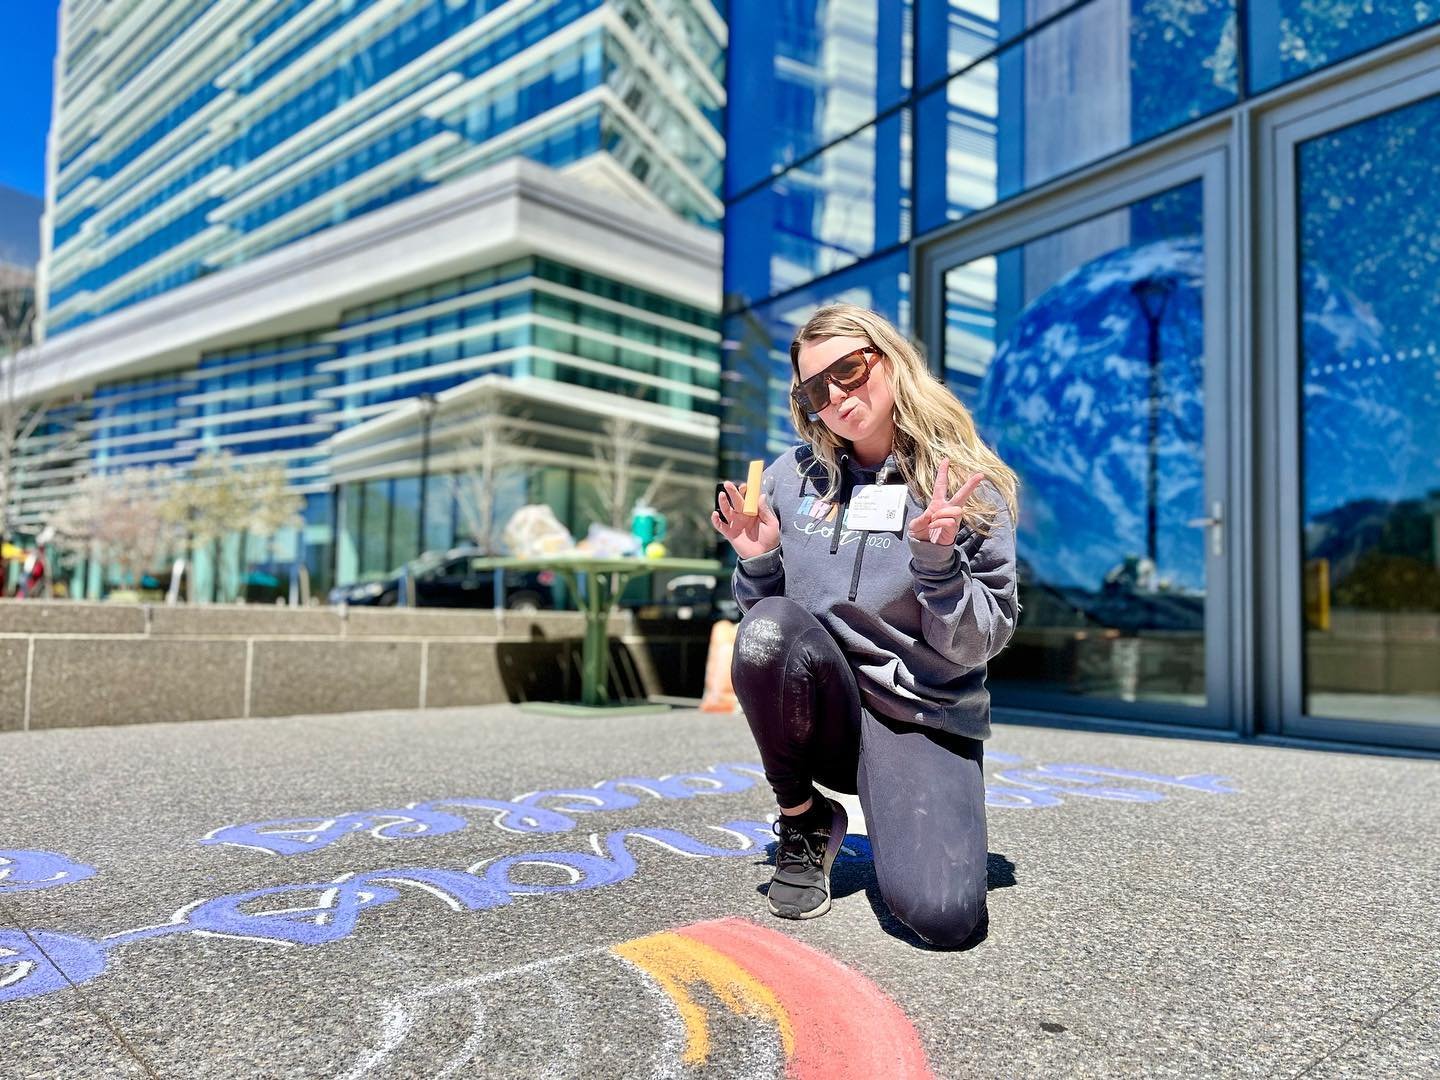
{"x": 603, "y": 542}
{"x": 534, "y": 531}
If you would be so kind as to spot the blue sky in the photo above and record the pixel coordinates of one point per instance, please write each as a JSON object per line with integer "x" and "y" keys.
{"x": 27, "y": 51}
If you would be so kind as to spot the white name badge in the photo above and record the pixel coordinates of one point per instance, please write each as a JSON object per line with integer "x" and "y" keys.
{"x": 876, "y": 507}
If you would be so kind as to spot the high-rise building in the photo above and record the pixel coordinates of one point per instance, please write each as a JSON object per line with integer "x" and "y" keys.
{"x": 19, "y": 248}
{"x": 1180, "y": 262}
{"x": 19, "y": 230}
{"x": 352, "y": 237}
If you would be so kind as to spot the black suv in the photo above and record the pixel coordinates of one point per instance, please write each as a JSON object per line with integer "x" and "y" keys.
{"x": 449, "y": 579}
{"x": 693, "y": 596}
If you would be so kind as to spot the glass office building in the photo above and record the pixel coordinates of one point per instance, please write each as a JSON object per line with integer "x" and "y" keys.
{"x": 1181, "y": 261}
{"x": 303, "y": 232}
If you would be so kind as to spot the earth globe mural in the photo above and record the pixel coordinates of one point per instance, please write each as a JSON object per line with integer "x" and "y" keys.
{"x": 1066, "y": 402}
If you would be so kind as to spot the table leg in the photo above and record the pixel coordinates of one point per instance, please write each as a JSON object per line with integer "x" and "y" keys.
{"x": 595, "y": 652}
{"x": 592, "y": 683}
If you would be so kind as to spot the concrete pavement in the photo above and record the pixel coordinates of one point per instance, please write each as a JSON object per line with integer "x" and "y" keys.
{"x": 415, "y": 894}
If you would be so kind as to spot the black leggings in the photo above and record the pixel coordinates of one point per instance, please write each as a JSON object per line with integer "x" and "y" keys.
{"x": 922, "y": 789}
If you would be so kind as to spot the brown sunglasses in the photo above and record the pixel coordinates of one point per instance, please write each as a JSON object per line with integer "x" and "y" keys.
{"x": 849, "y": 373}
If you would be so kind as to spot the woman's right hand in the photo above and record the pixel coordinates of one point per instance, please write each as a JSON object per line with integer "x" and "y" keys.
{"x": 749, "y": 536}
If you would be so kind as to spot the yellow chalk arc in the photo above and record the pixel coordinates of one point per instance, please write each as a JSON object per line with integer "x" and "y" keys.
{"x": 677, "y": 963}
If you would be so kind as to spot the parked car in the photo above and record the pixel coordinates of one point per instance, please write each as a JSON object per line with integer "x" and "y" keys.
{"x": 694, "y": 596}
{"x": 450, "y": 579}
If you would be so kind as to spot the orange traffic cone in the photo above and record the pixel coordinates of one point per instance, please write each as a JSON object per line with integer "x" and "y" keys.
{"x": 719, "y": 693}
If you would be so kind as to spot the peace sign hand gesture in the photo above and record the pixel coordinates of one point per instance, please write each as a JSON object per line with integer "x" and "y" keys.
{"x": 940, "y": 521}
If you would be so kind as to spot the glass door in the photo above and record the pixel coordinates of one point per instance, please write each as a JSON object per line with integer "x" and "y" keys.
{"x": 1088, "y": 336}
{"x": 1355, "y": 468}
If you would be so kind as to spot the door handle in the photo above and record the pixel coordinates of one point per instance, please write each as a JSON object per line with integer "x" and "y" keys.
{"x": 1216, "y": 523}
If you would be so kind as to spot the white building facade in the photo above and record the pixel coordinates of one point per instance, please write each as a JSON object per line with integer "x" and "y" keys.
{"x": 341, "y": 235}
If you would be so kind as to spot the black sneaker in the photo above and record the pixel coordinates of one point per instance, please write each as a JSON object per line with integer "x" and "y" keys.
{"x": 800, "y": 888}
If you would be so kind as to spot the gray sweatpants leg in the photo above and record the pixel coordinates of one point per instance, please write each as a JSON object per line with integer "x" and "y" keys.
{"x": 923, "y": 793}
{"x": 922, "y": 790}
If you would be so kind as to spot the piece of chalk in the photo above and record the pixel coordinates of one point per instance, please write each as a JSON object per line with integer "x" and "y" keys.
{"x": 752, "y": 488}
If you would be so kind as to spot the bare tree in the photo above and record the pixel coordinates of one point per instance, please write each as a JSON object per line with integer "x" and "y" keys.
{"x": 77, "y": 522}
{"x": 209, "y": 502}
{"x": 274, "y": 506}
{"x": 614, "y": 468}
{"x": 134, "y": 533}
{"x": 617, "y": 473}
{"x": 22, "y": 425}
{"x": 491, "y": 445}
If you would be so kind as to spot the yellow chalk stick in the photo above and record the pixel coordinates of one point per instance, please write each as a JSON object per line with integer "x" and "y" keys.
{"x": 752, "y": 488}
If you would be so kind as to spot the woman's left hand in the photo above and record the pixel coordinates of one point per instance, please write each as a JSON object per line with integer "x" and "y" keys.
{"x": 940, "y": 521}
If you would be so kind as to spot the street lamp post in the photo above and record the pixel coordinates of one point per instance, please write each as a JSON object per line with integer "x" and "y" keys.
{"x": 426, "y": 402}
{"x": 1152, "y": 294}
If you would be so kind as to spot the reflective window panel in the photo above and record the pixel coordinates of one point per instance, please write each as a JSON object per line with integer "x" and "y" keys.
{"x": 1081, "y": 356}
{"x": 828, "y": 213}
{"x": 949, "y": 34}
{"x": 405, "y": 517}
{"x": 1288, "y": 38}
{"x": 1102, "y": 78}
{"x": 1369, "y": 235}
{"x": 804, "y": 74}
{"x": 374, "y": 528}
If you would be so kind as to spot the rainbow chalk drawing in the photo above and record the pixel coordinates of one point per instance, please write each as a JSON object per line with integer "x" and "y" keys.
{"x": 832, "y": 1022}
{"x": 720, "y": 992}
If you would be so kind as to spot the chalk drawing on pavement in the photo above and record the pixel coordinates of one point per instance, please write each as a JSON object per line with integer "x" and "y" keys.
{"x": 22, "y": 869}
{"x": 1046, "y": 785}
{"x": 523, "y": 814}
{"x": 318, "y": 912}
{"x": 1013, "y": 789}
{"x": 725, "y": 990}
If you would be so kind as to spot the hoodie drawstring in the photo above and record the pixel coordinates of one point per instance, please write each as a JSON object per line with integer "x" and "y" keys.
{"x": 846, "y": 483}
{"x": 842, "y": 501}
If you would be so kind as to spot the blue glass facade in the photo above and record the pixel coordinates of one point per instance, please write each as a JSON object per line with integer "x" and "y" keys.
{"x": 950, "y": 110}
{"x": 282, "y": 399}
{"x": 523, "y": 318}
{"x": 137, "y": 421}
{"x": 1369, "y": 252}
{"x": 1290, "y": 38}
{"x": 1091, "y": 353}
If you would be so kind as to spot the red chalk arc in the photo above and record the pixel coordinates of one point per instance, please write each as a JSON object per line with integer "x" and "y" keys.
{"x": 832, "y": 1022}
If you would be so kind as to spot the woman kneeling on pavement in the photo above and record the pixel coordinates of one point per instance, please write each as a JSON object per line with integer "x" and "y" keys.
{"x": 877, "y": 580}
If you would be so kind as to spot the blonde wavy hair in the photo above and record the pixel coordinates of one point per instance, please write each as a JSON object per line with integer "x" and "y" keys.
{"x": 930, "y": 422}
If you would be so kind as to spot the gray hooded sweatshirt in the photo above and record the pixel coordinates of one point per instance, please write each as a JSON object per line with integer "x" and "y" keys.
{"x": 917, "y": 621}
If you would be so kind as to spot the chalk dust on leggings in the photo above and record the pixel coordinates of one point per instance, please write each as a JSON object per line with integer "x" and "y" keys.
{"x": 759, "y": 641}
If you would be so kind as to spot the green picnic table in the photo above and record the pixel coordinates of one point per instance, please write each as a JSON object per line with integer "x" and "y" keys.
{"x": 589, "y": 580}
